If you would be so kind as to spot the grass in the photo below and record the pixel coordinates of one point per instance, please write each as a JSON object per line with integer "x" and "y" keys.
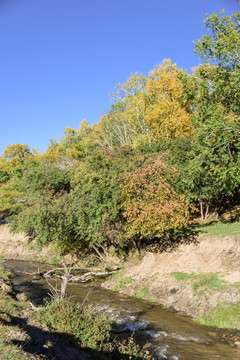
{"x": 118, "y": 275}
{"x": 219, "y": 228}
{"x": 201, "y": 282}
{"x": 121, "y": 283}
{"x": 224, "y": 315}
{"x": 10, "y": 307}
{"x": 54, "y": 260}
{"x": 142, "y": 292}
{"x": 4, "y": 274}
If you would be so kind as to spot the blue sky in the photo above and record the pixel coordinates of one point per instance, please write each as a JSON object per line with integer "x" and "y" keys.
{"x": 61, "y": 59}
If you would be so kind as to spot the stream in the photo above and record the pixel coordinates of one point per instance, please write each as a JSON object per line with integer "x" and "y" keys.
{"x": 166, "y": 334}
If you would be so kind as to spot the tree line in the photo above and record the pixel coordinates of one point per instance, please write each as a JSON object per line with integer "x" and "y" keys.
{"x": 167, "y": 150}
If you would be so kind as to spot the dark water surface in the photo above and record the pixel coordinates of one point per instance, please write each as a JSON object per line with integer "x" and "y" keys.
{"x": 169, "y": 335}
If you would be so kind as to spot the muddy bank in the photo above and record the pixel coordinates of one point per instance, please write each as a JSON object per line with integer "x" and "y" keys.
{"x": 191, "y": 279}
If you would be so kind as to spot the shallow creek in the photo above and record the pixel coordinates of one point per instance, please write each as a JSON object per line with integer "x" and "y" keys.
{"x": 167, "y": 334}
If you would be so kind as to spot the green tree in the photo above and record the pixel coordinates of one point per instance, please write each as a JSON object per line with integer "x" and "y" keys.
{"x": 220, "y": 48}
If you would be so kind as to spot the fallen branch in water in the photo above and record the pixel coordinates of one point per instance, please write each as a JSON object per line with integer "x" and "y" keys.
{"x": 90, "y": 275}
{"x": 72, "y": 278}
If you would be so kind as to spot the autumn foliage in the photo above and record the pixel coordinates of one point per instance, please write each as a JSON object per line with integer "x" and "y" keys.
{"x": 151, "y": 205}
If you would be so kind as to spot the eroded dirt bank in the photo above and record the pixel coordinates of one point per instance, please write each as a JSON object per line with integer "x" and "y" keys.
{"x": 192, "y": 278}
{"x": 18, "y": 247}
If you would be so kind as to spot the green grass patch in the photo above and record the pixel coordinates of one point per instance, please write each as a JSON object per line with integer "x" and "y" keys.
{"x": 11, "y": 352}
{"x": 54, "y": 260}
{"x": 224, "y": 315}
{"x": 118, "y": 275}
{"x": 121, "y": 283}
{"x": 142, "y": 292}
{"x": 201, "y": 282}
{"x": 10, "y": 307}
{"x": 4, "y": 274}
{"x": 219, "y": 228}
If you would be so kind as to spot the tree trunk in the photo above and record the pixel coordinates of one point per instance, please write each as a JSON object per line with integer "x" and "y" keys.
{"x": 64, "y": 280}
{"x": 201, "y": 210}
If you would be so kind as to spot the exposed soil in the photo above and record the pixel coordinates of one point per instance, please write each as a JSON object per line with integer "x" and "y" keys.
{"x": 19, "y": 247}
{"x": 215, "y": 254}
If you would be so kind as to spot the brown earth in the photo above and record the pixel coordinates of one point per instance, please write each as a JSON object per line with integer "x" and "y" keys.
{"x": 213, "y": 254}
{"x": 19, "y": 247}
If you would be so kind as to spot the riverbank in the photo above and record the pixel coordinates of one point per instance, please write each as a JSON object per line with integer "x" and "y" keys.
{"x": 22, "y": 336}
{"x": 200, "y": 279}
{"x": 58, "y": 330}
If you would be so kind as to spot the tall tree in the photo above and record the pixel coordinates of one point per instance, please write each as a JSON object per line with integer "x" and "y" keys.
{"x": 166, "y": 113}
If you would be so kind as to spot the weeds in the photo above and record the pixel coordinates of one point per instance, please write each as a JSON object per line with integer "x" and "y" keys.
{"x": 201, "y": 282}
{"x": 86, "y": 326}
{"x": 122, "y": 283}
{"x": 224, "y": 315}
{"x": 4, "y": 274}
{"x": 142, "y": 292}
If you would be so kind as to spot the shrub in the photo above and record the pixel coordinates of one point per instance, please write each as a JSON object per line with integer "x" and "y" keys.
{"x": 83, "y": 325}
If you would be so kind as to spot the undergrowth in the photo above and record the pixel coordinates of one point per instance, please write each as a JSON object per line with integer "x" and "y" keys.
{"x": 87, "y": 327}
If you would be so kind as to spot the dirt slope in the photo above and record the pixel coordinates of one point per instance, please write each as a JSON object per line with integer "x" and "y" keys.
{"x": 18, "y": 247}
{"x": 152, "y": 277}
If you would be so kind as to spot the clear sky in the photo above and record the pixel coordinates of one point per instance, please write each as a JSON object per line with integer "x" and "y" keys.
{"x": 61, "y": 59}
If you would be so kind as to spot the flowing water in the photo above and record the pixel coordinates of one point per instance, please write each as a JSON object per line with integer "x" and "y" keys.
{"x": 166, "y": 334}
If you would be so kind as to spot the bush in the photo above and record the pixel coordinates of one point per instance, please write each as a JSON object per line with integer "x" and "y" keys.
{"x": 86, "y": 327}
{"x": 83, "y": 325}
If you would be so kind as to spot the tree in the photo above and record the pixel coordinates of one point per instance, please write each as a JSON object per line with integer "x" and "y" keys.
{"x": 12, "y": 163}
{"x": 213, "y": 167}
{"x": 151, "y": 205}
{"x": 125, "y": 123}
{"x": 220, "y": 49}
{"x": 98, "y": 194}
{"x": 166, "y": 113}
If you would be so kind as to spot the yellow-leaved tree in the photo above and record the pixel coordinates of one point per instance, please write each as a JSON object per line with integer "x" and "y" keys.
{"x": 166, "y": 113}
